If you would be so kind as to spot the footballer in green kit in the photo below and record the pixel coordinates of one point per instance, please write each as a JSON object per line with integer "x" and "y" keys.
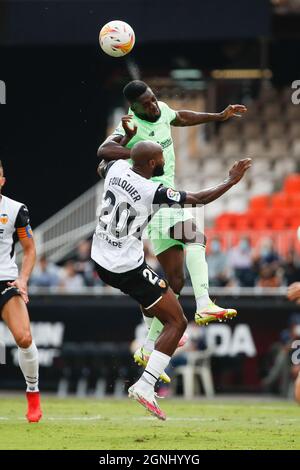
{"x": 173, "y": 233}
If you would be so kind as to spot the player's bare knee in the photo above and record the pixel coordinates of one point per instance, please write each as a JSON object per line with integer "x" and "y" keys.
{"x": 180, "y": 321}
{"x": 24, "y": 340}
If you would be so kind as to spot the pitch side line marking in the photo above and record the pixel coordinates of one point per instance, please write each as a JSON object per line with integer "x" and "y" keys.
{"x": 146, "y": 418}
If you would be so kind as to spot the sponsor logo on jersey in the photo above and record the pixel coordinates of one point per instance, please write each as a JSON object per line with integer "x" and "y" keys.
{"x": 111, "y": 242}
{"x": 173, "y": 195}
{"x": 166, "y": 143}
{"x": 3, "y": 218}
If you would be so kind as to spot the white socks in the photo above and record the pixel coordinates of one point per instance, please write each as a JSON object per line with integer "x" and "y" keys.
{"x": 198, "y": 269}
{"x": 203, "y": 301}
{"x": 29, "y": 364}
{"x": 157, "y": 363}
{"x": 148, "y": 321}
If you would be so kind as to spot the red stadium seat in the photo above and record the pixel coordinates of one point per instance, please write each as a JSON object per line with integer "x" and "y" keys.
{"x": 292, "y": 184}
{"x": 242, "y": 222}
{"x": 226, "y": 221}
{"x": 263, "y": 220}
{"x": 280, "y": 201}
{"x": 294, "y": 200}
{"x": 275, "y": 213}
{"x": 252, "y": 216}
{"x": 260, "y": 223}
{"x": 294, "y": 219}
{"x": 280, "y": 223}
{"x": 259, "y": 202}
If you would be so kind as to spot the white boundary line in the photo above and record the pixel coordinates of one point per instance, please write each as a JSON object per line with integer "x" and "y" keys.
{"x": 54, "y": 419}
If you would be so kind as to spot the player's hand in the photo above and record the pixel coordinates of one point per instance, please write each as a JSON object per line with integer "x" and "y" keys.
{"x": 130, "y": 131}
{"x": 233, "y": 110}
{"x": 22, "y": 287}
{"x": 239, "y": 169}
{"x": 293, "y": 292}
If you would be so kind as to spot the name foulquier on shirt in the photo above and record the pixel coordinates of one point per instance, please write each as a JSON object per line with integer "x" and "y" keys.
{"x": 127, "y": 206}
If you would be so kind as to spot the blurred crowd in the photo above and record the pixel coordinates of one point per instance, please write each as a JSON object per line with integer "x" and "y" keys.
{"x": 76, "y": 272}
{"x": 245, "y": 266}
{"x": 242, "y": 266}
{"x": 286, "y": 6}
{"x": 72, "y": 274}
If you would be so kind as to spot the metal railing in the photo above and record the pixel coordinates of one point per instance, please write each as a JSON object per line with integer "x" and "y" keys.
{"x": 60, "y": 234}
{"x": 104, "y": 291}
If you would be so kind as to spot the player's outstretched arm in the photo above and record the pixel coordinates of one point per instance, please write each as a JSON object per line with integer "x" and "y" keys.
{"x": 114, "y": 147}
{"x": 211, "y": 194}
{"x": 192, "y": 118}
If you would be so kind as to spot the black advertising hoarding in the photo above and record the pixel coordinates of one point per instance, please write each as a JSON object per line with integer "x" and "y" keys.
{"x": 95, "y": 332}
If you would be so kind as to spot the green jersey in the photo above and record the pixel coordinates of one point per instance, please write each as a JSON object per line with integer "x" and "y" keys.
{"x": 160, "y": 132}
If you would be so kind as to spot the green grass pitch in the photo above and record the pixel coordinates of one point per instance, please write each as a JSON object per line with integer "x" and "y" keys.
{"x": 123, "y": 424}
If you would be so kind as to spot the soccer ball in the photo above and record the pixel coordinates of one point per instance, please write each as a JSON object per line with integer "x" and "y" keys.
{"x": 116, "y": 38}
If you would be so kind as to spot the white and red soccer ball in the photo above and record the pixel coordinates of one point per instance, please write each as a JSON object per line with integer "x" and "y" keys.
{"x": 116, "y": 38}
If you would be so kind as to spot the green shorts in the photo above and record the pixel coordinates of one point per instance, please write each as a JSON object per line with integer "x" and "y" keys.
{"x": 159, "y": 227}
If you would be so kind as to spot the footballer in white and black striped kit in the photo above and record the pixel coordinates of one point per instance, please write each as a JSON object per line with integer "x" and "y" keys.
{"x": 15, "y": 225}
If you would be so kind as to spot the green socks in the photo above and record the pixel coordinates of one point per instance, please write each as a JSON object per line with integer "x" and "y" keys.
{"x": 198, "y": 269}
{"x": 154, "y": 332}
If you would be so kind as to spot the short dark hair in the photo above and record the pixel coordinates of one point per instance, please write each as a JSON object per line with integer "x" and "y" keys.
{"x": 1, "y": 166}
{"x": 134, "y": 90}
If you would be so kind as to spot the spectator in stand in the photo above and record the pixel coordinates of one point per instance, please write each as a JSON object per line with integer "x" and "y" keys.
{"x": 294, "y": 296}
{"x": 45, "y": 274}
{"x": 240, "y": 260}
{"x": 286, "y": 6}
{"x": 267, "y": 254}
{"x": 218, "y": 271}
{"x": 71, "y": 281}
{"x": 84, "y": 265}
{"x": 267, "y": 264}
{"x": 268, "y": 277}
{"x": 291, "y": 267}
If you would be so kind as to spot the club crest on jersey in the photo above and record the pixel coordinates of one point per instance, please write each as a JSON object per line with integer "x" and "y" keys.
{"x": 3, "y": 219}
{"x": 173, "y": 195}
